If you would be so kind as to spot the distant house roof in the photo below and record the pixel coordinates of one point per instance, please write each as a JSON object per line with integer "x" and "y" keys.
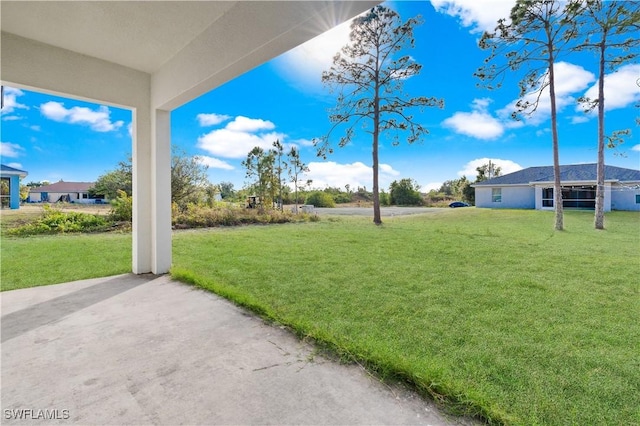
{"x": 568, "y": 173}
{"x": 63, "y": 187}
{"x": 6, "y": 170}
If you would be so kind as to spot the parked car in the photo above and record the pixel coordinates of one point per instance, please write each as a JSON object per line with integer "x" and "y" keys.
{"x": 458, "y": 204}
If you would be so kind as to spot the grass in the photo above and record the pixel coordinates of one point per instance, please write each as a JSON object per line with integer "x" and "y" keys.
{"x": 490, "y": 312}
{"x": 52, "y": 259}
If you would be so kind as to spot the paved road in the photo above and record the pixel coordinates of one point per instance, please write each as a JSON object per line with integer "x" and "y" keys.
{"x": 147, "y": 350}
{"x": 384, "y": 211}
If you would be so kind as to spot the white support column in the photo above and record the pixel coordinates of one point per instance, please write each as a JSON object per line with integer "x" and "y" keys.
{"x": 142, "y": 172}
{"x": 161, "y": 192}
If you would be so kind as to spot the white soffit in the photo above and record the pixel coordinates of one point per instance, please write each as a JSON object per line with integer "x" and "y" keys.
{"x": 187, "y": 47}
{"x": 141, "y": 35}
{"x": 144, "y": 35}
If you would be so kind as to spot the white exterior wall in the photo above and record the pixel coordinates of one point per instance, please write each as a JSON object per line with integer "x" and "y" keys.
{"x": 624, "y": 198}
{"x": 513, "y": 197}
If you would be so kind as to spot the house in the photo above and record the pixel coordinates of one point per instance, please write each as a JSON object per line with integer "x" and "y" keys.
{"x": 532, "y": 188}
{"x": 71, "y": 192}
{"x": 10, "y": 186}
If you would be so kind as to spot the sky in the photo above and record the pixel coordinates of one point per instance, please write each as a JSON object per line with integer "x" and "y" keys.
{"x": 55, "y": 138}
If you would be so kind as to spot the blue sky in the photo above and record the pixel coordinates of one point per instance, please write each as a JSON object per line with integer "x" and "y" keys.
{"x": 57, "y": 138}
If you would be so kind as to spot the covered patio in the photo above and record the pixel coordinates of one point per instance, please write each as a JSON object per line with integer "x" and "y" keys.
{"x": 152, "y": 57}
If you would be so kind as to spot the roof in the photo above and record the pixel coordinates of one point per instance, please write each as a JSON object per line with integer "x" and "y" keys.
{"x": 12, "y": 171}
{"x": 568, "y": 173}
{"x": 64, "y": 187}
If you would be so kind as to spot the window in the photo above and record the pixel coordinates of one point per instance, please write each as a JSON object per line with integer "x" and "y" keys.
{"x": 496, "y": 195}
{"x": 547, "y": 197}
{"x": 637, "y": 198}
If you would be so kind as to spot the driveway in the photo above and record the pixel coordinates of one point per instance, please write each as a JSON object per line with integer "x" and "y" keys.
{"x": 147, "y": 350}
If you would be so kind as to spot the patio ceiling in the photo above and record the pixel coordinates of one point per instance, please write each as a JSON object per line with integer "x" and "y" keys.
{"x": 139, "y": 35}
{"x": 164, "y": 38}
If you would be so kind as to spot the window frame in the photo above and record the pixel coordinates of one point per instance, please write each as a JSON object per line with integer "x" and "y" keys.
{"x": 496, "y": 195}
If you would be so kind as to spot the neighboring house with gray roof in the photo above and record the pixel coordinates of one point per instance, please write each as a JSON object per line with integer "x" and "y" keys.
{"x": 532, "y": 188}
{"x": 72, "y": 192}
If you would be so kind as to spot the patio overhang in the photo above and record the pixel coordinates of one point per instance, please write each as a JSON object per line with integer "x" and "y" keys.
{"x": 152, "y": 57}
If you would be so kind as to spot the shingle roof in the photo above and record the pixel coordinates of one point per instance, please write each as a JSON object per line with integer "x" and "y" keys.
{"x": 568, "y": 173}
{"x": 63, "y": 187}
{"x": 11, "y": 170}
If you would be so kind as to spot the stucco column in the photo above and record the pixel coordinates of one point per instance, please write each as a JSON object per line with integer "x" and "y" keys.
{"x": 151, "y": 191}
{"x": 141, "y": 161}
{"x": 161, "y": 191}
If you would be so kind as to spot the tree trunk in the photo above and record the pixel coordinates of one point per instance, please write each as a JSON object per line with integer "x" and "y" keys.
{"x": 599, "y": 214}
{"x": 377, "y": 218}
{"x": 557, "y": 185}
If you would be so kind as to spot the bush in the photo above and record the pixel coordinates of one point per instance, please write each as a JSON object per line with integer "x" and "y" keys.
{"x": 55, "y": 221}
{"x": 385, "y": 199}
{"x": 121, "y": 207}
{"x": 405, "y": 193}
{"x": 320, "y": 199}
{"x": 197, "y": 216}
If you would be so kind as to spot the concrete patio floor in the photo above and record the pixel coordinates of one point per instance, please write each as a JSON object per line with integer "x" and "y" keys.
{"x": 147, "y": 350}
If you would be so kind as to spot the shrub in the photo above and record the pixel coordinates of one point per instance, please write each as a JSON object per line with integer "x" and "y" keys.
{"x": 198, "y": 216}
{"x": 405, "y": 193}
{"x": 385, "y": 199}
{"x": 55, "y": 221}
{"x": 320, "y": 199}
{"x": 121, "y": 207}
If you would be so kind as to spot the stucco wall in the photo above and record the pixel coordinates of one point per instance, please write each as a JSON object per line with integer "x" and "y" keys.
{"x": 513, "y": 197}
{"x": 624, "y": 198}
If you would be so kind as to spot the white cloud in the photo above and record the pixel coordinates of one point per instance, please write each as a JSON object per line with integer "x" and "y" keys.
{"x": 506, "y": 166}
{"x": 15, "y": 165}
{"x": 431, "y": 186}
{"x": 239, "y": 137}
{"x": 12, "y": 150}
{"x": 11, "y": 117}
{"x": 213, "y": 163}
{"x": 620, "y": 90}
{"x": 636, "y": 148}
{"x": 230, "y": 144}
{"x": 245, "y": 124}
{"x": 212, "y": 119}
{"x": 480, "y": 16}
{"x": 10, "y": 102}
{"x": 577, "y": 119}
{"x": 99, "y": 120}
{"x": 330, "y": 173}
{"x": 302, "y": 142}
{"x": 569, "y": 79}
{"x": 478, "y": 123}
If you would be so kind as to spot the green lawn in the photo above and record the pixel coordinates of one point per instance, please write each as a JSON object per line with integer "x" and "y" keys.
{"x": 490, "y": 311}
{"x": 43, "y": 260}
